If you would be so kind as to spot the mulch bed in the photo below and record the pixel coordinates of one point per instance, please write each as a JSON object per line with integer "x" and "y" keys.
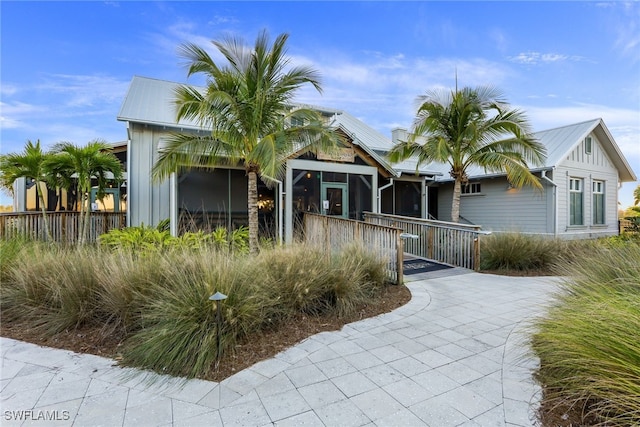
{"x": 262, "y": 346}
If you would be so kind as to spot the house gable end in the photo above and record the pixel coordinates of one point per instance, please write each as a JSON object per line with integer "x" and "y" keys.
{"x": 348, "y": 152}
{"x": 589, "y": 153}
{"x": 604, "y": 154}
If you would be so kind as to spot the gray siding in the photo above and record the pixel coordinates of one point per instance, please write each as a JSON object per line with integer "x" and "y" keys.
{"x": 148, "y": 200}
{"x": 498, "y": 208}
{"x": 596, "y": 166}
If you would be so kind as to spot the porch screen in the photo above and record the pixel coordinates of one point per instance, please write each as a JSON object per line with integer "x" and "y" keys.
{"x": 211, "y": 198}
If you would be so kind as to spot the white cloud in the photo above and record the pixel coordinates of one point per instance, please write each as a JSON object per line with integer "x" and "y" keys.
{"x": 628, "y": 40}
{"x": 8, "y": 90}
{"x": 535, "y": 58}
{"x": 85, "y": 90}
{"x": 499, "y": 39}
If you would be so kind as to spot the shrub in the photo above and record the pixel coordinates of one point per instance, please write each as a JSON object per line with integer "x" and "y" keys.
{"x": 179, "y": 329}
{"x": 588, "y": 343}
{"x": 159, "y": 299}
{"x": 10, "y": 253}
{"x": 359, "y": 276}
{"x": 53, "y": 288}
{"x": 515, "y": 251}
{"x": 159, "y": 238}
{"x": 136, "y": 238}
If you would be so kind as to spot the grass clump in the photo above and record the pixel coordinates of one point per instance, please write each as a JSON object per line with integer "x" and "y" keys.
{"x": 588, "y": 343}
{"x": 157, "y": 300}
{"x": 521, "y": 252}
{"x": 53, "y": 288}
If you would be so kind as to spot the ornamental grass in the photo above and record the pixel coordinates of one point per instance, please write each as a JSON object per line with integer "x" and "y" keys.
{"x": 589, "y": 343}
{"x": 158, "y": 299}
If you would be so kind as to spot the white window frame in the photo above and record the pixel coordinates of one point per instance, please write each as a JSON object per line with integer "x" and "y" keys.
{"x": 471, "y": 188}
{"x": 588, "y": 145}
{"x": 598, "y": 192}
{"x": 576, "y": 186}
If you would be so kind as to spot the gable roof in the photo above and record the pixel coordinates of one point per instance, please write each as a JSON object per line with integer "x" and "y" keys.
{"x": 559, "y": 142}
{"x": 150, "y": 101}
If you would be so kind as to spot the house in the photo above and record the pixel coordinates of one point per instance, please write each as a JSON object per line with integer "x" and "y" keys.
{"x": 348, "y": 183}
{"x": 580, "y": 178}
{"x": 583, "y": 171}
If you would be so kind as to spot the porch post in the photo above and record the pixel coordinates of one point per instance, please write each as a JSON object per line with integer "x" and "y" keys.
{"x": 173, "y": 204}
{"x": 425, "y": 199}
{"x": 288, "y": 204}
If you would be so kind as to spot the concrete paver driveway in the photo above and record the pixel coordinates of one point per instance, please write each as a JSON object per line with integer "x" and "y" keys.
{"x": 455, "y": 355}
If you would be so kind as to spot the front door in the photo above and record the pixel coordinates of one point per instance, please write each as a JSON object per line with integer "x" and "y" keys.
{"x": 334, "y": 199}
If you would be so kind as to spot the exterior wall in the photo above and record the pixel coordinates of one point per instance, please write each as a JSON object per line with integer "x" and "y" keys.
{"x": 148, "y": 200}
{"x": 498, "y": 208}
{"x": 20, "y": 195}
{"x": 588, "y": 167}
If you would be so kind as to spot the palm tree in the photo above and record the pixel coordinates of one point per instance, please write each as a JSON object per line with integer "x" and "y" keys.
{"x": 472, "y": 126}
{"x": 247, "y": 106}
{"x": 92, "y": 161}
{"x": 31, "y": 164}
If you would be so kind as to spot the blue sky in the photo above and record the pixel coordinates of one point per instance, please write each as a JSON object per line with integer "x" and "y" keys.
{"x": 65, "y": 66}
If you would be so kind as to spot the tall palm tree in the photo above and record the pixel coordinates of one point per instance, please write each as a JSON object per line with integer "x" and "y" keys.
{"x": 86, "y": 163}
{"x": 472, "y": 126}
{"x": 31, "y": 164}
{"x": 247, "y": 105}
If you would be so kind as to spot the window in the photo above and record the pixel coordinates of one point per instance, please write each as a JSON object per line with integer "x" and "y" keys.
{"x": 587, "y": 145}
{"x": 471, "y": 188}
{"x": 297, "y": 121}
{"x": 575, "y": 202}
{"x": 598, "y": 202}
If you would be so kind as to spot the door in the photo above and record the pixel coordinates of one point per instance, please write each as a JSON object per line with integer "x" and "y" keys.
{"x": 334, "y": 199}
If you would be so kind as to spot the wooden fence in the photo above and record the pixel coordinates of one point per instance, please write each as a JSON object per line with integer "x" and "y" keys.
{"x": 447, "y": 242}
{"x": 63, "y": 226}
{"x": 332, "y": 233}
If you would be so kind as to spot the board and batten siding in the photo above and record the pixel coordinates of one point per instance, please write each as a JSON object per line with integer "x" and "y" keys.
{"x": 499, "y": 208}
{"x": 148, "y": 199}
{"x": 596, "y": 166}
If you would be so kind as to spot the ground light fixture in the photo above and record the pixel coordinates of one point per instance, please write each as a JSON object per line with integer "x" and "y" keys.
{"x": 217, "y": 298}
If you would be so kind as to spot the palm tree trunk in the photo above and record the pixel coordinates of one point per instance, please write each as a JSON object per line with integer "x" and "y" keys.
{"x": 84, "y": 213}
{"x": 455, "y": 203}
{"x": 87, "y": 219}
{"x": 253, "y": 211}
{"x": 47, "y": 233}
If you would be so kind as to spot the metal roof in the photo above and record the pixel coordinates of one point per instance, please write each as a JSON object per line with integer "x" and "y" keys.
{"x": 559, "y": 143}
{"x": 151, "y": 101}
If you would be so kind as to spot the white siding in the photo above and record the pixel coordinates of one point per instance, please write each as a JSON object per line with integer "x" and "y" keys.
{"x": 589, "y": 167}
{"x": 148, "y": 200}
{"x": 499, "y": 208}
